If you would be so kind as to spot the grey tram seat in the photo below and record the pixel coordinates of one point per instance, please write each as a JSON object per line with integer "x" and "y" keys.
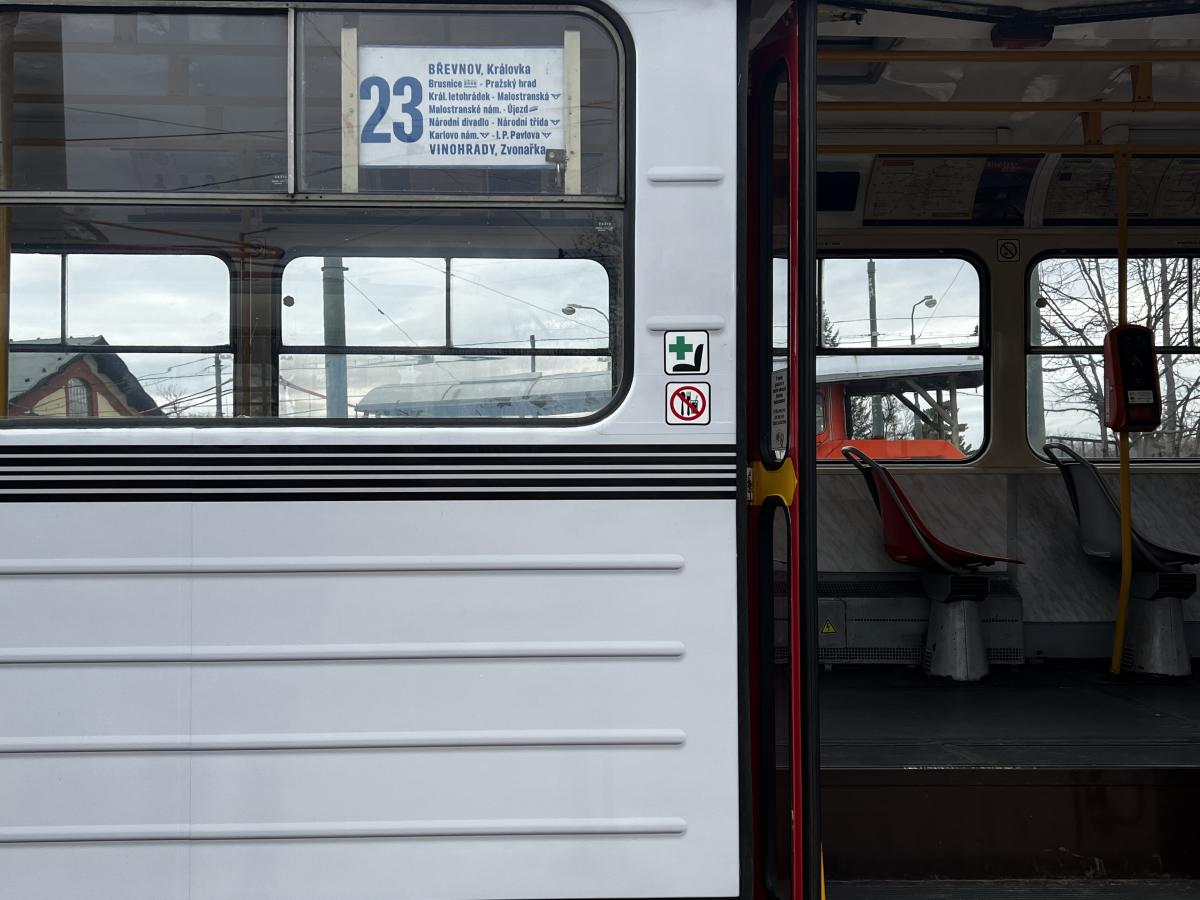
{"x": 1156, "y": 643}
{"x": 954, "y": 645}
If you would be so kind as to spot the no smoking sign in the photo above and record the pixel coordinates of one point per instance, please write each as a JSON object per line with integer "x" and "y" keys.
{"x": 688, "y": 403}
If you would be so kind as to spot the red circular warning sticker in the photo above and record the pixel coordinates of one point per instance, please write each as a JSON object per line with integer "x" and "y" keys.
{"x": 687, "y": 404}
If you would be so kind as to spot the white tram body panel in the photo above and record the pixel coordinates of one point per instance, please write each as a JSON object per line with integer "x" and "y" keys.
{"x": 403, "y": 695}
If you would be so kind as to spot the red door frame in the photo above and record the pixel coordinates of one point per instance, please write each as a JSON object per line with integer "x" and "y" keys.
{"x": 787, "y": 53}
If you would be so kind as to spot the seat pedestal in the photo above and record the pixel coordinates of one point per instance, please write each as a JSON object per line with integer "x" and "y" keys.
{"x": 954, "y": 645}
{"x": 1156, "y": 643}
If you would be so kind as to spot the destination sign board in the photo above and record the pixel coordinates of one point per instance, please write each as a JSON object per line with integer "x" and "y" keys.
{"x": 459, "y": 106}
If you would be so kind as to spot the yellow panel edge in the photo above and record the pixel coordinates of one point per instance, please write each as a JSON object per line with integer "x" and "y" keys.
{"x": 766, "y": 483}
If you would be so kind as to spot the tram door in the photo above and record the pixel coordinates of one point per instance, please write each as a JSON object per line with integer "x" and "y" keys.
{"x": 780, "y": 449}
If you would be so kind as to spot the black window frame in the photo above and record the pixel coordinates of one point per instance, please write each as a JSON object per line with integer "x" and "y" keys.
{"x": 619, "y": 347}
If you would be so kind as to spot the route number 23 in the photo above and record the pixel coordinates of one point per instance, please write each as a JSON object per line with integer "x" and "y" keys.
{"x": 408, "y": 89}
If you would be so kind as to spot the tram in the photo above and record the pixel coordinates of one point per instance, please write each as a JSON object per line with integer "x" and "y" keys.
{"x": 422, "y": 452}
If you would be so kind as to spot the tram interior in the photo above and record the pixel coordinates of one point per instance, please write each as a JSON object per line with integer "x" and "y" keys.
{"x": 968, "y": 229}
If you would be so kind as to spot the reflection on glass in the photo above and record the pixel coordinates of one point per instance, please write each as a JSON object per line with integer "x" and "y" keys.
{"x": 148, "y": 300}
{"x": 35, "y": 284}
{"x": 448, "y": 387}
{"x": 542, "y": 305}
{"x": 891, "y": 300}
{"x": 136, "y": 102}
{"x": 931, "y": 406}
{"x": 94, "y": 383}
{"x": 120, "y": 298}
{"x": 460, "y": 302}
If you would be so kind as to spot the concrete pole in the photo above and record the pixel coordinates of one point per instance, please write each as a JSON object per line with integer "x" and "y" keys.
{"x": 876, "y": 401}
{"x": 333, "y": 284}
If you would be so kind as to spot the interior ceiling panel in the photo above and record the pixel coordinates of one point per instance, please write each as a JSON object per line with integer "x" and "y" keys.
{"x": 968, "y": 81}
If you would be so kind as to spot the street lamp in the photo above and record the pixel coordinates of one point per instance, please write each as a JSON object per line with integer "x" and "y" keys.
{"x": 571, "y": 308}
{"x": 930, "y": 301}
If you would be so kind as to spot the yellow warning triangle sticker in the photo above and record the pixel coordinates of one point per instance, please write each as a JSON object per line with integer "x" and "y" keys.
{"x": 828, "y": 628}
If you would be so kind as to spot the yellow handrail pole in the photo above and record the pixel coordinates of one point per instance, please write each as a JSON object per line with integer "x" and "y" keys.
{"x": 1121, "y": 164}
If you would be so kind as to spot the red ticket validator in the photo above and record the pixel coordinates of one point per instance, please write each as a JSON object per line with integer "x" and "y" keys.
{"x": 1133, "y": 401}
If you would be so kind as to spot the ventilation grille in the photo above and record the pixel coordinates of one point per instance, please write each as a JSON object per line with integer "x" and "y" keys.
{"x": 908, "y": 655}
{"x": 1012, "y": 656}
{"x": 867, "y": 588}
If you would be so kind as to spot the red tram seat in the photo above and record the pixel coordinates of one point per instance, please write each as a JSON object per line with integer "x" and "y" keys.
{"x": 906, "y": 538}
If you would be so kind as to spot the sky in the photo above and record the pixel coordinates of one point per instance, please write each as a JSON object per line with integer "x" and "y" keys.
{"x": 184, "y": 300}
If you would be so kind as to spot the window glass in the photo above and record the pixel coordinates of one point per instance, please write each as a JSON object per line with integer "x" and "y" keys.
{"x": 1075, "y": 300}
{"x": 444, "y": 387}
{"x": 535, "y": 311}
{"x": 451, "y": 301}
{"x": 79, "y": 398}
{"x": 35, "y": 284}
{"x": 149, "y": 102}
{"x": 147, "y": 300}
{"x": 50, "y": 382}
{"x": 774, "y": 405}
{"x": 452, "y": 103}
{"x": 1073, "y": 304}
{"x": 895, "y": 303}
{"x": 1066, "y": 406}
{"x": 905, "y": 407}
{"x": 120, "y": 298}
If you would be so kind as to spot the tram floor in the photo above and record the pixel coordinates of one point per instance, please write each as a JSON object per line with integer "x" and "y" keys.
{"x": 1038, "y": 772}
{"x": 1034, "y": 716}
{"x": 1172, "y": 889}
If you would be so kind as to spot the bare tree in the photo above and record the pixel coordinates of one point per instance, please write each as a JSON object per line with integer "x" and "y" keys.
{"x": 1078, "y": 305}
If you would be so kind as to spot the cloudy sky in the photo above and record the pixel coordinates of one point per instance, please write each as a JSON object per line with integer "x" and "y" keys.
{"x": 184, "y": 300}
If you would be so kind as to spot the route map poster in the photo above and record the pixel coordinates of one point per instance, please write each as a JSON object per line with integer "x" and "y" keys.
{"x": 1083, "y": 189}
{"x": 459, "y": 106}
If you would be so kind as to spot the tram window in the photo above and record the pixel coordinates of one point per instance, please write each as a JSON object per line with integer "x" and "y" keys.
{"x": 164, "y": 327}
{"x": 915, "y": 406}
{"x": 46, "y": 381}
{"x": 901, "y": 359}
{"x": 125, "y": 299}
{"x": 918, "y": 302}
{"x": 148, "y": 102}
{"x": 464, "y": 130}
{"x": 147, "y": 300}
{"x": 1073, "y": 304}
{"x": 398, "y": 388}
{"x": 452, "y": 301}
{"x": 35, "y": 305}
